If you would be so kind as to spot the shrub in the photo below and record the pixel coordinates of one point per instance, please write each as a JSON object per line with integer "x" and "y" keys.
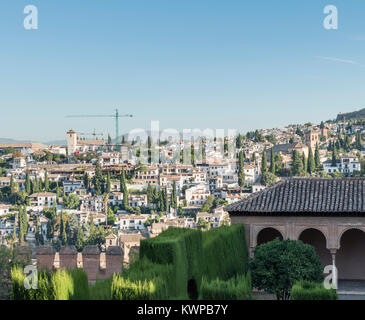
{"x": 62, "y": 285}
{"x": 236, "y": 288}
{"x": 101, "y": 290}
{"x": 306, "y": 290}
{"x": 144, "y": 281}
{"x": 80, "y": 284}
{"x": 278, "y": 265}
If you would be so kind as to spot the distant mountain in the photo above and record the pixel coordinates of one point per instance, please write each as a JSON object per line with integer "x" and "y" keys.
{"x": 56, "y": 142}
{"x": 6, "y": 140}
{"x": 356, "y": 115}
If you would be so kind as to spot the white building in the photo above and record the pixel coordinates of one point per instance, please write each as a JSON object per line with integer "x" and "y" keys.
{"x": 42, "y": 200}
{"x": 344, "y": 165}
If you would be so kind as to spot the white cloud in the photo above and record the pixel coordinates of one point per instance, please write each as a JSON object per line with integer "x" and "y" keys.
{"x": 333, "y": 59}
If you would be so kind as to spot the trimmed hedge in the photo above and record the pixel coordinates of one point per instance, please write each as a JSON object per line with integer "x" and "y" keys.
{"x": 62, "y": 285}
{"x": 306, "y": 290}
{"x": 236, "y": 288}
{"x": 144, "y": 281}
{"x": 225, "y": 252}
{"x": 170, "y": 265}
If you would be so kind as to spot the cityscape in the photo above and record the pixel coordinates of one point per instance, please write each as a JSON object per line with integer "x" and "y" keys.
{"x": 182, "y": 158}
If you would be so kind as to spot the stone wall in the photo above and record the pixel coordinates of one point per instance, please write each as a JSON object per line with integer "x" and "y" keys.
{"x": 97, "y": 265}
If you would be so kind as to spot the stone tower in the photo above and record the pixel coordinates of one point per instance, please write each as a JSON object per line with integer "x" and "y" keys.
{"x": 71, "y": 141}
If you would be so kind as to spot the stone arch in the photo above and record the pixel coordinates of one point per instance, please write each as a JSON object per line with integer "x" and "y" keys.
{"x": 344, "y": 229}
{"x": 350, "y": 258}
{"x": 317, "y": 238}
{"x": 268, "y": 233}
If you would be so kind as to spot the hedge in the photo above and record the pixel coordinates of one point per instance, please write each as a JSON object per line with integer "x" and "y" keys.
{"x": 225, "y": 252}
{"x": 61, "y": 285}
{"x": 306, "y": 290}
{"x": 169, "y": 266}
{"x": 236, "y": 288}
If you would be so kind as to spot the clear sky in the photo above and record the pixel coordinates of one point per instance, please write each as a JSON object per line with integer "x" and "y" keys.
{"x": 187, "y": 63}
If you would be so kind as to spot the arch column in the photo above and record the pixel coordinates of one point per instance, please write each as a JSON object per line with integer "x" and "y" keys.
{"x": 334, "y": 268}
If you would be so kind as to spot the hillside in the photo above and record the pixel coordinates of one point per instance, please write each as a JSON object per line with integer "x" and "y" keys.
{"x": 351, "y": 115}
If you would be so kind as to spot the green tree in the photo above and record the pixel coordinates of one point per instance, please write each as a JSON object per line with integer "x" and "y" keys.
{"x": 86, "y": 181}
{"x": 174, "y": 196}
{"x": 311, "y": 166}
{"x": 317, "y": 160}
{"x": 166, "y": 198}
{"x": 208, "y": 204}
{"x": 28, "y": 186}
{"x": 71, "y": 201}
{"x": 46, "y": 182}
{"x": 124, "y": 189}
{"x": 278, "y": 265}
{"x": 108, "y": 183}
{"x": 272, "y": 161}
{"x": 304, "y": 161}
{"x": 267, "y": 179}
{"x": 297, "y": 164}
{"x": 241, "y": 171}
{"x": 264, "y": 162}
{"x": 80, "y": 239}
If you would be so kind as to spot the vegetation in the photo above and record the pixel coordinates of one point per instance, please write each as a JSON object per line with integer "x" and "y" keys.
{"x": 278, "y": 265}
{"x": 307, "y": 290}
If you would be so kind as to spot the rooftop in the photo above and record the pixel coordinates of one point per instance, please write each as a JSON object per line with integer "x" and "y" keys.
{"x": 306, "y": 196}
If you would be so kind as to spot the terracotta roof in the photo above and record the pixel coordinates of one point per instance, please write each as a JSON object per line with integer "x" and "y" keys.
{"x": 43, "y": 194}
{"x": 133, "y": 237}
{"x": 305, "y": 196}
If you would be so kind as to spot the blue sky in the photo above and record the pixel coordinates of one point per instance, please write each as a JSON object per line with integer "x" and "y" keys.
{"x": 187, "y": 63}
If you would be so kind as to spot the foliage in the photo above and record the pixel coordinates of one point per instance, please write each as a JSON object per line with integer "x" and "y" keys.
{"x": 71, "y": 201}
{"x": 236, "y": 288}
{"x": 267, "y": 179}
{"x": 307, "y": 290}
{"x": 277, "y": 265}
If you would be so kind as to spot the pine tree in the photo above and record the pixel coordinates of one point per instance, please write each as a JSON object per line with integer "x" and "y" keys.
{"x": 272, "y": 162}
{"x": 109, "y": 139}
{"x": 311, "y": 166}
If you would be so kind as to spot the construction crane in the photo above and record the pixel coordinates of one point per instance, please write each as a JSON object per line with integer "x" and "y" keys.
{"x": 116, "y": 116}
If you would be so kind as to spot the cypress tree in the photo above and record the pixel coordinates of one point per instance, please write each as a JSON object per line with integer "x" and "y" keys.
{"x": 108, "y": 184}
{"x": 28, "y": 187}
{"x": 174, "y": 196}
{"x": 304, "y": 160}
{"x": 125, "y": 190}
{"x": 311, "y": 164}
{"x": 317, "y": 160}
{"x": 46, "y": 182}
{"x": 167, "y": 207}
{"x": 272, "y": 161}
{"x": 264, "y": 162}
{"x": 241, "y": 172}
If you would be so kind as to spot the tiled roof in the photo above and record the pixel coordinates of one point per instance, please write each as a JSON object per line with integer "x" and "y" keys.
{"x": 306, "y": 196}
